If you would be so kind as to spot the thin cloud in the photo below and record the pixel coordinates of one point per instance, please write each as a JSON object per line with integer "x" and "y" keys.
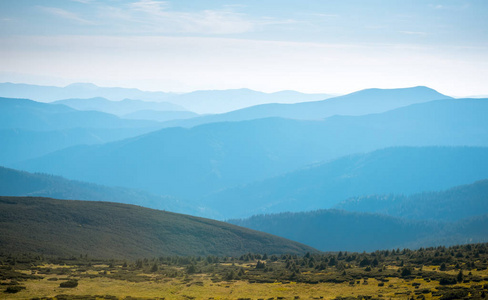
{"x": 325, "y": 15}
{"x": 150, "y": 6}
{"x": 418, "y": 33}
{"x": 157, "y": 16}
{"x": 59, "y": 12}
{"x": 83, "y": 1}
{"x": 449, "y": 7}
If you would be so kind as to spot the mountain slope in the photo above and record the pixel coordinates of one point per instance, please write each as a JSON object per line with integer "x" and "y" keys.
{"x": 449, "y": 205}
{"x": 399, "y": 170}
{"x": 197, "y": 161}
{"x": 21, "y": 144}
{"x": 160, "y": 116}
{"x": 189, "y": 162}
{"x": 18, "y": 183}
{"x": 359, "y": 103}
{"x": 334, "y": 230}
{"x": 118, "y": 108}
{"x": 30, "y": 129}
{"x": 110, "y": 230}
{"x": 28, "y": 114}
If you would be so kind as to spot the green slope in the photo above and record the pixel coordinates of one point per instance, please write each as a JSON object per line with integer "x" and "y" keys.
{"x": 101, "y": 229}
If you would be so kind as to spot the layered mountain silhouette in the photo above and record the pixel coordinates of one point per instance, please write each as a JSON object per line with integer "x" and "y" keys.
{"x": 28, "y": 114}
{"x": 223, "y": 101}
{"x": 202, "y": 102}
{"x": 401, "y": 170}
{"x": 76, "y": 90}
{"x": 359, "y": 103}
{"x": 19, "y": 183}
{"x": 201, "y": 160}
{"x": 30, "y": 129}
{"x": 22, "y": 144}
{"x": 119, "y": 108}
{"x": 390, "y": 157}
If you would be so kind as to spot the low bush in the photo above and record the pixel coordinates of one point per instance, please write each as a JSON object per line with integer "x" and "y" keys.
{"x": 14, "y": 289}
{"x": 72, "y": 283}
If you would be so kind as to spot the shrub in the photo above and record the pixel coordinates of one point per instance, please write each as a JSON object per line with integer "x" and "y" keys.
{"x": 72, "y": 283}
{"x": 14, "y": 289}
{"x": 406, "y": 272}
{"x": 448, "y": 280}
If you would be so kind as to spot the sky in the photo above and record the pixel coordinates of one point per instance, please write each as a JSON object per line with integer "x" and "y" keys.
{"x": 312, "y": 46}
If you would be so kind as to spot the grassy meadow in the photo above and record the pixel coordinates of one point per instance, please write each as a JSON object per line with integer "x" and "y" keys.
{"x": 458, "y": 272}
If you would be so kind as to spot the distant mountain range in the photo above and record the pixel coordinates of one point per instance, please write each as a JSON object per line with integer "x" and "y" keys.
{"x": 18, "y": 183}
{"x": 76, "y": 90}
{"x": 391, "y": 157}
{"x": 111, "y": 230}
{"x": 31, "y": 115}
{"x": 132, "y": 109}
{"x": 29, "y": 129}
{"x": 201, "y": 102}
{"x": 119, "y": 108}
{"x": 401, "y": 170}
{"x": 356, "y": 104}
{"x": 204, "y": 159}
{"x": 222, "y": 101}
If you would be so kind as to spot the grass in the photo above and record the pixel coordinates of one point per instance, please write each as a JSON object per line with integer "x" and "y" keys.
{"x": 202, "y": 287}
{"x": 377, "y": 275}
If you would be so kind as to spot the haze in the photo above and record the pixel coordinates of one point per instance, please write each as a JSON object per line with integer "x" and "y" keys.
{"x": 181, "y": 46}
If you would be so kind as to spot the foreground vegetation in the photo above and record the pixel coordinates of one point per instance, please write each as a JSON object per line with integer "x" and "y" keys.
{"x": 458, "y": 272}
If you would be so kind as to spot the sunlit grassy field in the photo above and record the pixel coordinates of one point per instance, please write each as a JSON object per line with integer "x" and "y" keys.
{"x": 435, "y": 273}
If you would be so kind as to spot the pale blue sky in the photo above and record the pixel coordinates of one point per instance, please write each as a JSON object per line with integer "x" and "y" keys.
{"x": 311, "y": 46}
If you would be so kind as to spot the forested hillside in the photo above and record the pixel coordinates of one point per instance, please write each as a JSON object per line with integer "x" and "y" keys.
{"x": 112, "y": 230}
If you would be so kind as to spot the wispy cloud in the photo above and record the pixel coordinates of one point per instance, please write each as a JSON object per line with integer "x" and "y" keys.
{"x": 449, "y": 7}
{"x": 158, "y": 16}
{"x": 150, "y": 6}
{"x": 418, "y": 33}
{"x": 83, "y": 1}
{"x": 59, "y": 12}
{"x": 325, "y": 15}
